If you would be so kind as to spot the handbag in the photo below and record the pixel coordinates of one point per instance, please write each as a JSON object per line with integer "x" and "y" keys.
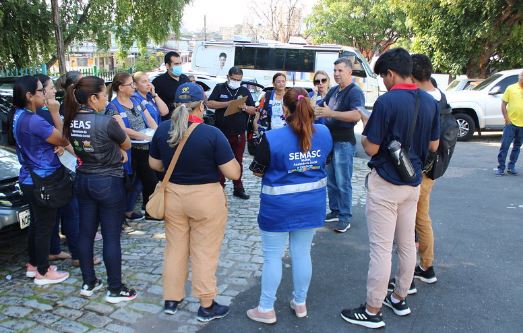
{"x": 55, "y": 190}
{"x": 400, "y": 155}
{"x": 156, "y": 205}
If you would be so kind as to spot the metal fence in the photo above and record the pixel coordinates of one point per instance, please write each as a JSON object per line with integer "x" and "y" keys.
{"x": 107, "y": 75}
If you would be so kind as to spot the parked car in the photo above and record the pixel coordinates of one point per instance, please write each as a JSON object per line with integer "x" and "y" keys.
{"x": 14, "y": 211}
{"x": 480, "y": 108}
{"x": 463, "y": 83}
{"x": 6, "y": 100}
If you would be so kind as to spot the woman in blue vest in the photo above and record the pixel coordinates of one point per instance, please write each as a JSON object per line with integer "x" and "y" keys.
{"x": 271, "y": 107}
{"x": 292, "y": 200}
{"x": 99, "y": 144}
{"x": 134, "y": 121}
{"x": 146, "y": 97}
{"x": 36, "y": 141}
{"x": 321, "y": 83}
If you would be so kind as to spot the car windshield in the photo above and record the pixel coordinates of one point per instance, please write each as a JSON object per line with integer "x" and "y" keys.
{"x": 487, "y": 82}
{"x": 453, "y": 85}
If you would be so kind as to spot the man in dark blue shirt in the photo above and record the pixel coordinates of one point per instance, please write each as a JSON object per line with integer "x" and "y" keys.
{"x": 392, "y": 200}
{"x": 340, "y": 111}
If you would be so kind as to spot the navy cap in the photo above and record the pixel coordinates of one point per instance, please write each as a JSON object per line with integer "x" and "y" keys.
{"x": 189, "y": 92}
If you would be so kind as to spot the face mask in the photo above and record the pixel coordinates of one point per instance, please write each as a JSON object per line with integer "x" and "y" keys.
{"x": 234, "y": 84}
{"x": 176, "y": 70}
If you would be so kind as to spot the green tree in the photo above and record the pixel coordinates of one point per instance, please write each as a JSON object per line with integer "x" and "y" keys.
{"x": 95, "y": 20}
{"x": 467, "y": 36}
{"x": 369, "y": 25}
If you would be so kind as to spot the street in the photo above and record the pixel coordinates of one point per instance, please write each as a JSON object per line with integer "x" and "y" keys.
{"x": 477, "y": 225}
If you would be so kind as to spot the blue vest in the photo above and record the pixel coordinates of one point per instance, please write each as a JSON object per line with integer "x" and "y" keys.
{"x": 293, "y": 194}
{"x": 147, "y": 104}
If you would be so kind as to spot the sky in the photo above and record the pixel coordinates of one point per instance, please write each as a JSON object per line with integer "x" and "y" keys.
{"x": 219, "y": 13}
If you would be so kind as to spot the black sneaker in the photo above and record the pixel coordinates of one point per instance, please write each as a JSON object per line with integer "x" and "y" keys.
{"x": 392, "y": 285}
{"x": 401, "y": 308}
{"x": 332, "y": 217}
{"x": 359, "y": 316}
{"x": 124, "y": 294}
{"x": 135, "y": 217}
{"x": 89, "y": 289}
{"x": 240, "y": 193}
{"x": 215, "y": 311}
{"x": 342, "y": 226}
{"x": 170, "y": 307}
{"x": 427, "y": 276}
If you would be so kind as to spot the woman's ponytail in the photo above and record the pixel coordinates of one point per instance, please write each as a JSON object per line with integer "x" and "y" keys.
{"x": 179, "y": 124}
{"x": 301, "y": 117}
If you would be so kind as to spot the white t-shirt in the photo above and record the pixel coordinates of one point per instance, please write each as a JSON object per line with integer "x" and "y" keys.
{"x": 436, "y": 94}
{"x": 277, "y": 119}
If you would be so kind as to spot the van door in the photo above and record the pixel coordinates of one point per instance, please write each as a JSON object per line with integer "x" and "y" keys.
{"x": 493, "y": 116}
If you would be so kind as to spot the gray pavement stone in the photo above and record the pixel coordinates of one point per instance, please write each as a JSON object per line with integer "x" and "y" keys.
{"x": 119, "y": 328}
{"x": 67, "y": 313}
{"x": 6, "y": 330}
{"x": 45, "y": 318}
{"x": 99, "y": 308}
{"x": 69, "y": 326}
{"x": 18, "y": 325}
{"x": 41, "y": 329}
{"x": 126, "y": 315}
{"x": 145, "y": 307}
{"x": 17, "y": 311}
{"x": 95, "y": 320}
{"x": 37, "y": 305}
{"x": 156, "y": 290}
{"x": 73, "y": 302}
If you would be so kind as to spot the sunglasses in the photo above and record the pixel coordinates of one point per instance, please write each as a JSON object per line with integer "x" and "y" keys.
{"x": 316, "y": 82}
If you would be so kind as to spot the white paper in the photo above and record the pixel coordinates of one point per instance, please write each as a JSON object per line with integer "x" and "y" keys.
{"x": 68, "y": 160}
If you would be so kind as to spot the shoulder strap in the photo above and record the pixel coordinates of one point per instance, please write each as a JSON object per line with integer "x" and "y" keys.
{"x": 177, "y": 154}
{"x": 413, "y": 125}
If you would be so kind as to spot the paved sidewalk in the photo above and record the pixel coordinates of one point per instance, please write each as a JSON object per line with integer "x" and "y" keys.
{"x": 25, "y": 307}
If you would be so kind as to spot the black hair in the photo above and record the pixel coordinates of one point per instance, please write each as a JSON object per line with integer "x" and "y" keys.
{"x": 23, "y": 85}
{"x": 421, "y": 67}
{"x": 397, "y": 60}
{"x": 235, "y": 71}
{"x": 343, "y": 60}
{"x": 43, "y": 78}
{"x": 223, "y": 54}
{"x": 275, "y": 76}
{"x": 169, "y": 55}
{"x": 70, "y": 78}
{"x": 434, "y": 82}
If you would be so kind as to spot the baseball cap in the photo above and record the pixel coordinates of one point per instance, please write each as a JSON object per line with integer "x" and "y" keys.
{"x": 189, "y": 92}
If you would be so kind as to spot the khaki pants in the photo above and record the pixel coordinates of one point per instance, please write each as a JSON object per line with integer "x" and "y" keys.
{"x": 424, "y": 224}
{"x": 391, "y": 214}
{"x": 195, "y": 218}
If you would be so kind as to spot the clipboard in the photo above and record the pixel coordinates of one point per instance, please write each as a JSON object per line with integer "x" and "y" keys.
{"x": 234, "y": 106}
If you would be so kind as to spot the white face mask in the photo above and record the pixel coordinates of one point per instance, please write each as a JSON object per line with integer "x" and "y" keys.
{"x": 234, "y": 84}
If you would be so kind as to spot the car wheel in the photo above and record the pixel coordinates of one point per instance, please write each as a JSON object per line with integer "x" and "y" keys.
{"x": 467, "y": 126}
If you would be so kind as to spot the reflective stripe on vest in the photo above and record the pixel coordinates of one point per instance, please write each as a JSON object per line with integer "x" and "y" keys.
{"x": 297, "y": 188}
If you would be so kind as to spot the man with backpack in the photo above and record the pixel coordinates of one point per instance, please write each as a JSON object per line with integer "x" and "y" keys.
{"x": 434, "y": 168}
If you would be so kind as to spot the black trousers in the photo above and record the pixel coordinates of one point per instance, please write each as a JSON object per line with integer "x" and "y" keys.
{"x": 43, "y": 220}
{"x": 146, "y": 175}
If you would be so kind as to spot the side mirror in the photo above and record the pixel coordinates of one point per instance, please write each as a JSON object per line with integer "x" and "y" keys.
{"x": 495, "y": 91}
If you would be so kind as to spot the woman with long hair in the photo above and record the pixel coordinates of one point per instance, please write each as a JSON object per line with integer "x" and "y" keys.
{"x": 133, "y": 121}
{"x": 146, "y": 96}
{"x": 99, "y": 143}
{"x": 36, "y": 142}
{"x": 271, "y": 114}
{"x": 195, "y": 204}
{"x": 321, "y": 81}
{"x": 292, "y": 200}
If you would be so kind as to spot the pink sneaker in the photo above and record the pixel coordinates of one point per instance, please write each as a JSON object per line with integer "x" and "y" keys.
{"x": 268, "y": 317}
{"x": 299, "y": 309}
{"x": 31, "y": 270}
{"x": 50, "y": 277}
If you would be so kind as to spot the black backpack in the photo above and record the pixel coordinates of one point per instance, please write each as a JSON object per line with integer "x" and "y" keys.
{"x": 447, "y": 139}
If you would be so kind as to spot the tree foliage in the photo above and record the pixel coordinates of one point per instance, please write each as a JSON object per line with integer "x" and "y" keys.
{"x": 471, "y": 36}
{"x": 276, "y": 19}
{"x": 369, "y": 25}
{"x": 32, "y": 38}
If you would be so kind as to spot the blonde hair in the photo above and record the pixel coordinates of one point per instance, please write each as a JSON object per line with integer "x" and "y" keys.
{"x": 322, "y": 73}
{"x": 138, "y": 76}
{"x": 180, "y": 120}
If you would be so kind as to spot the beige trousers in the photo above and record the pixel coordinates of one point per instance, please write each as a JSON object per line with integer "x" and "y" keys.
{"x": 424, "y": 224}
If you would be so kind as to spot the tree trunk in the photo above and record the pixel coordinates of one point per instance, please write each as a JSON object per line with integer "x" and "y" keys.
{"x": 59, "y": 38}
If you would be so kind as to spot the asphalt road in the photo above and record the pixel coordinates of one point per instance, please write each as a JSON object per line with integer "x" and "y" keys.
{"x": 478, "y": 229}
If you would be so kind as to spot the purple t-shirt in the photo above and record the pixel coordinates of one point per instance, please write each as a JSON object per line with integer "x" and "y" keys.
{"x": 31, "y": 135}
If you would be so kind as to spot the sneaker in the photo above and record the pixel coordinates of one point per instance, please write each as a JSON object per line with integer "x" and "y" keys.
{"x": 427, "y": 276}
{"x": 127, "y": 228}
{"x": 299, "y": 309}
{"x": 124, "y": 294}
{"x": 332, "y": 217}
{"x": 98, "y": 236}
{"x": 89, "y": 289}
{"x": 342, "y": 226}
{"x": 401, "y": 308}
{"x": 215, "y": 311}
{"x": 268, "y": 317}
{"x": 240, "y": 193}
{"x": 134, "y": 217}
{"x": 500, "y": 172}
{"x": 51, "y": 277}
{"x": 512, "y": 171}
{"x": 170, "y": 307}
{"x": 359, "y": 316}
{"x": 30, "y": 270}
{"x": 392, "y": 285}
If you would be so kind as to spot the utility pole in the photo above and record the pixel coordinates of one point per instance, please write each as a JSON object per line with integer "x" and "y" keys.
{"x": 205, "y": 27}
{"x": 58, "y": 35}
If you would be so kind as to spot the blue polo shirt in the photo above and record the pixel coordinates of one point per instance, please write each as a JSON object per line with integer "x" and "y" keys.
{"x": 204, "y": 151}
{"x": 347, "y": 99}
{"x": 391, "y": 118}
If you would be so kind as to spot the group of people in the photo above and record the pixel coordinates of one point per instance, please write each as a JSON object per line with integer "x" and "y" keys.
{"x": 113, "y": 140}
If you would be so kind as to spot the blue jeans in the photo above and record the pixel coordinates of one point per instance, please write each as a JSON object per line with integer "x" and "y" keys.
{"x": 339, "y": 180}
{"x": 511, "y": 133}
{"x": 132, "y": 196}
{"x": 274, "y": 245}
{"x": 68, "y": 214}
{"x": 101, "y": 199}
